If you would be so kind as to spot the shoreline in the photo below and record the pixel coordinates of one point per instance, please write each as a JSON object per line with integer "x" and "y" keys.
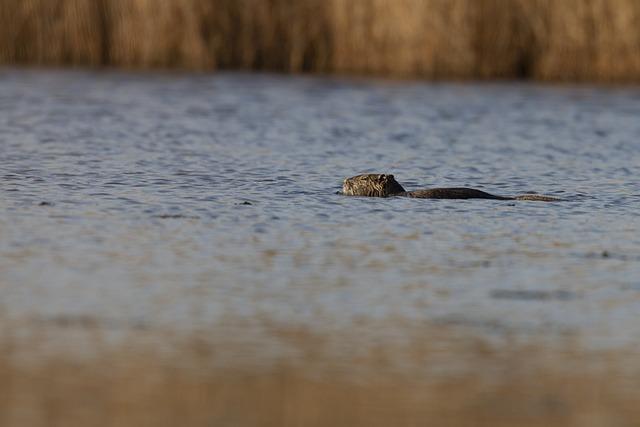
{"x": 571, "y": 41}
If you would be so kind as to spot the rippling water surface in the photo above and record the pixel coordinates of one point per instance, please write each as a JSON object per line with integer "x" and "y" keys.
{"x": 180, "y": 202}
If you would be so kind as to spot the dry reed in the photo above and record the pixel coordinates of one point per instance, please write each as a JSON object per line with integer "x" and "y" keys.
{"x": 542, "y": 39}
{"x": 135, "y": 384}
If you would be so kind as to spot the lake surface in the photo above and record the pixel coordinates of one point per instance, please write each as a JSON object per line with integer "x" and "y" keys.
{"x": 197, "y": 203}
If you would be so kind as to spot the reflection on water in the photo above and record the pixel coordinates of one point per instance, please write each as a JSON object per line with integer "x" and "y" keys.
{"x": 192, "y": 203}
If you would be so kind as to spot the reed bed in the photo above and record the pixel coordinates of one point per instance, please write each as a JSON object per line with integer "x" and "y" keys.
{"x": 142, "y": 383}
{"x": 543, "y": 39}
{"x": 136, "y": 393}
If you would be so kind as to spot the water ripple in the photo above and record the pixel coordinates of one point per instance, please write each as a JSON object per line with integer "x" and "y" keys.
{"x": 227, "y": 184}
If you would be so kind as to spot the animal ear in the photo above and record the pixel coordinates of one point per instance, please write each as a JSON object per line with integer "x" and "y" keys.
{"x": 390, "y": 176}
{"x": 382, "y": 177}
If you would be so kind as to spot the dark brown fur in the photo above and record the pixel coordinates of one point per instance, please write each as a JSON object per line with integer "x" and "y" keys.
{"x": 383, "y": 185}
{"x": 372, "y": 185}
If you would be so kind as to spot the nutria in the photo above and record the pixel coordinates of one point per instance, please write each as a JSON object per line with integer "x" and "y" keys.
{"x": 382, "y": 185}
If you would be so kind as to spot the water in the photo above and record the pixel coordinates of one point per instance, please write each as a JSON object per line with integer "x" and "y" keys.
{"x": 207, "y": 203}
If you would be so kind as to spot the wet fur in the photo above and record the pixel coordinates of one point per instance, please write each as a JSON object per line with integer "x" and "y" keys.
{"x": 372, "y": 185}
{"x": 384, "y": 185}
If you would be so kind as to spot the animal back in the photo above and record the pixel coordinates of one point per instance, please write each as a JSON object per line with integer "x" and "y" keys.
{"x": 452, "y": 193}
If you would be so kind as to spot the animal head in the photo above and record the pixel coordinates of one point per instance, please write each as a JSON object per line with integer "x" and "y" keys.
{"x": 371, "y": 185}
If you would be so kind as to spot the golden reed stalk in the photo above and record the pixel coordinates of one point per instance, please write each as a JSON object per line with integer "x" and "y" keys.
{"x": 541, "y": 39}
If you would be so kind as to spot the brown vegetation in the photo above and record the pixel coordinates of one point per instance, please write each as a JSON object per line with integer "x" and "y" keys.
{"x": 543, "y": 39}
{"x": 140, "y": 392}
{"x": 65, "y": 373}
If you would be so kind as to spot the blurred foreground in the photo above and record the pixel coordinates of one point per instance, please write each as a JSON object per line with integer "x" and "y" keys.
{"x": 184, "y": 381}
{"x": 569, "y": 40}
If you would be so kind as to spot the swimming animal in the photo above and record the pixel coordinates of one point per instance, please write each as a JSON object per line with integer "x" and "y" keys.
{"x": 383, "y": 185}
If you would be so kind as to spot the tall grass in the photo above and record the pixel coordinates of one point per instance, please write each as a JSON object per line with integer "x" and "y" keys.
{"x": 157, "y": 378}
{"x": 543, "y": 39}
